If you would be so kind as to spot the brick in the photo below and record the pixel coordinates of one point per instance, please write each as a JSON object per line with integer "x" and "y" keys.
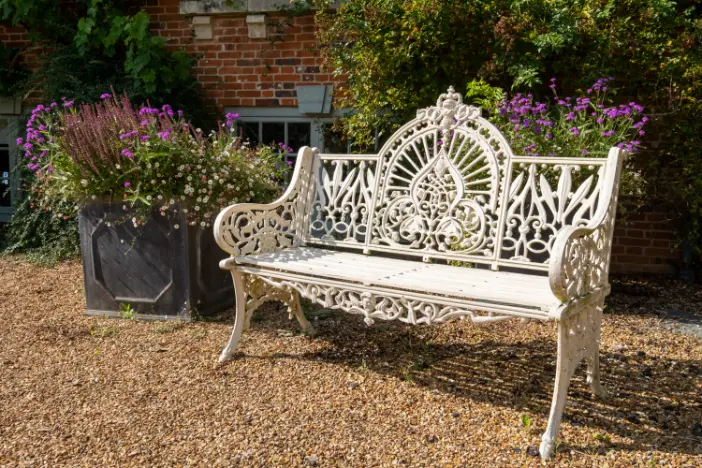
{"x": 293, "y": 78}
{"x": 267, "y": 102}
{"x": 638, "y": 233}
{"x": 249, "y": 46}
{"x": 636, "y": 242}
{"x": 288, "y": 102}
{"x": 284, "y": 94}
{"x": 653, "y": 251}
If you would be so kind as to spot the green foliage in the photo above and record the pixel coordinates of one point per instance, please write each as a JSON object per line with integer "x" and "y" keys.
{"x": 400, "y": 54}
{"x": 145, "y": 158}
{"x": 127, "y": 312}
{"x": 527, "y": 421}
{"x": 42, "y": 234}
{"x": 86, "y": 50}
{"x": 12, "y": 73}
{"x": 480, "y": 93}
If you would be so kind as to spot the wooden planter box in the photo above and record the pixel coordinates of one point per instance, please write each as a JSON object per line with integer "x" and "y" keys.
{"x": 162, "y": 272}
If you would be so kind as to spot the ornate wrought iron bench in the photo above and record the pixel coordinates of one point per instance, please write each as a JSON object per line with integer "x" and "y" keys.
{"x": 380, "y": 235}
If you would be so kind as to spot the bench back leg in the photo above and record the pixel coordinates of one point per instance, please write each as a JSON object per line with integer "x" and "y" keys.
{"x": 578, "y": 339}
{"x": 295, "y": 308}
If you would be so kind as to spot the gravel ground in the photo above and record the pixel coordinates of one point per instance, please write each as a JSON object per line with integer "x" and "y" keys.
{"x": 86, "y": 391}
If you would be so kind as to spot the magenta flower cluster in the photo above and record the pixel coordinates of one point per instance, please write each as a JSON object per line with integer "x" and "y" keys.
{"x": 571, "y": 125}
{"x": 147, "y": 157}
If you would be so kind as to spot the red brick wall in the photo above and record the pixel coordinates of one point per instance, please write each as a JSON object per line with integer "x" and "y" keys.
{"x": 239, "y": 71}
{"x": 644, "y": 242}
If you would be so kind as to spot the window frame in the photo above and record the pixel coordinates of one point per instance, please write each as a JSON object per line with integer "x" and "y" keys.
{"x": 8, "y": 135}
{"x": 286, "y": 115}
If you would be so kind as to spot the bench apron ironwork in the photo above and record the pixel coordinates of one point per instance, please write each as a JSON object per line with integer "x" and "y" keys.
{"x": 388, "y": 236}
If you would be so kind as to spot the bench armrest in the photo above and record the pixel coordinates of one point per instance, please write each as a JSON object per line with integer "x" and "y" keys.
{"x": 249, "y": 228}
{"x": 580, "y": 255}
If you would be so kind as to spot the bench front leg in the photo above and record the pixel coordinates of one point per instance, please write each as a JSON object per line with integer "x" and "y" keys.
{"x": 240, "y": 319}
{"x": 578, "y": 339}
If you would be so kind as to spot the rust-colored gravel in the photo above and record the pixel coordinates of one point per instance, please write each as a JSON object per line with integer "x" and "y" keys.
{"x": 86, "y": 391}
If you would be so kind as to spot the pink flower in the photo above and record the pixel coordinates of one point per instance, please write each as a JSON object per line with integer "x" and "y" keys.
{"x": 127, "y": 184}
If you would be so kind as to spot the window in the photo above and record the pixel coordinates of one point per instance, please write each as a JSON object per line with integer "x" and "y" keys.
{"x": 287, "y": 125}
{"x": 8, "y": 184}
{"x": 5, "y": 175}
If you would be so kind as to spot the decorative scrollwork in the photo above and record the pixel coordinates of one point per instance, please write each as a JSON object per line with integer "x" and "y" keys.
{"x": 381, "y": 307}
{"x": 586, "y": 258}
{"x": 439, "y": 183}
{"x": 261, "y": 230}
{"x": 343, "y": 196}
{"x": 536, "y": 213}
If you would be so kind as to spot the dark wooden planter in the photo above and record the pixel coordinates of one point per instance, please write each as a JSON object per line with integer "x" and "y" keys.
{"x": 162, "y": 272}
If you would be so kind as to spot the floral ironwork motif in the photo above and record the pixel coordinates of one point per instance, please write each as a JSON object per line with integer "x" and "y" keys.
{"x": 342, "y": 199}
{"x": 439, "y": 184}
{"x": 535, "y": 212}
{"x": 382, "y": 307}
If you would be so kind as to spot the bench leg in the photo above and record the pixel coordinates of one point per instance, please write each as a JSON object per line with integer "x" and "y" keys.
{"x": 296, "y": 310}
{"x": 578, "y": 339}
{"x": 593, "y": 361}
{"x": 240, "y": 318}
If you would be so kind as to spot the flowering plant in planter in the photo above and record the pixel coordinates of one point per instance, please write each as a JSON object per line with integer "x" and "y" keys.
{"x": 145, "y": 158}
{"x": 572, "y": 125}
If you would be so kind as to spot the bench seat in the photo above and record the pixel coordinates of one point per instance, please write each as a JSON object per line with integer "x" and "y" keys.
{"x": 528, "y": 295}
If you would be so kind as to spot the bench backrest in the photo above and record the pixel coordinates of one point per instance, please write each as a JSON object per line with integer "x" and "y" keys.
{"x": 447, "y": 186}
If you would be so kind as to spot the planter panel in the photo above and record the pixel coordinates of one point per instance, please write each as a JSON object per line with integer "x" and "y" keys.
{"x": 163, "y": 273}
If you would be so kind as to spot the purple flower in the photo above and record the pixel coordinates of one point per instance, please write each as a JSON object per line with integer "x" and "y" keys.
{"x": 19, "y": 141}
{"x": 28, "y": 146}
{"x": 570, "y": 116}
{"x": 164, "y": 135}
{"x": 68, "y": 104}
{"x": 180, "y": 113}
{"x": 144, "y": 123}
{"x": 549, "y": 136}
{"x": 144, "y": 137}
{"x": 53, "y": 104}
{"x": 585, "y": 151}
{"x": 42, "y": 154}
{"x": 125, "y": 135}
{"x": 127, "y": 184}
{"x": 42, "y": 127}
{"x": 642, "y": 133}
{"x": 290, "y": 163}
{"x": 574, "y": 131}
{"x": 105, "y": 96}
{"x": 127, "y": 153}
{"x": 589, "y": 91}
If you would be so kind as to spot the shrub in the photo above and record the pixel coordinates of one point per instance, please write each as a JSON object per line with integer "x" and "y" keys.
{"x": 143, "y": 158}
{"x": 571, "y": 126}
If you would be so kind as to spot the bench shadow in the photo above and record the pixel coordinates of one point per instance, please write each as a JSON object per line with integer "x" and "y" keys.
{"x": 657, "y": 399}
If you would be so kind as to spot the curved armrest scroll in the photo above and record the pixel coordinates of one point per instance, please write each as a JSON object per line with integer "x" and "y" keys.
{"x": 580, "y": 255}
{"x": 247, "y": 228}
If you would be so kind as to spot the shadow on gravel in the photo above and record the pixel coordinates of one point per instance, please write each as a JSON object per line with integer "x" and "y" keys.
{"x": 654, "y": 402}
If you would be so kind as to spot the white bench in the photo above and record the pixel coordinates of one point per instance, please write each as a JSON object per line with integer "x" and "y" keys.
{"x": 388, "y": 236}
